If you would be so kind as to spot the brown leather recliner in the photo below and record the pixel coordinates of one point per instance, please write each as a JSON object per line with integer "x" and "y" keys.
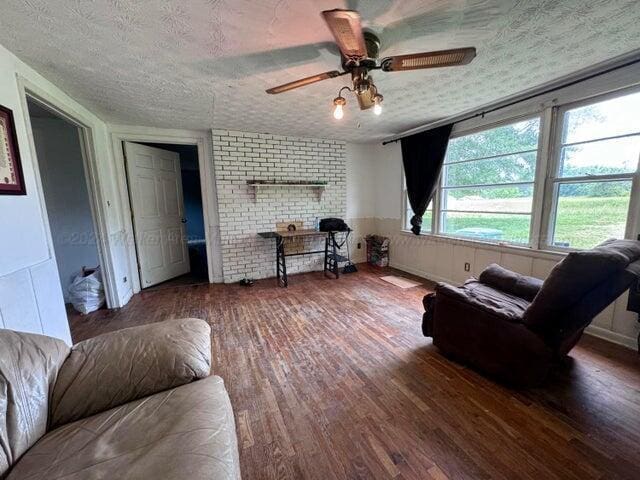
{"x": 137, "y": 403}
{"x": 515, "y": 327}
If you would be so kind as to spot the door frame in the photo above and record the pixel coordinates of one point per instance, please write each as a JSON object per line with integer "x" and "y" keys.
{"x": 125, "y": 133}
{"x": 86, "y": 135}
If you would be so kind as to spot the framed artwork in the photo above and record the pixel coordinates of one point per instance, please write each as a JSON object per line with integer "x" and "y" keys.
{"x": 11, "y": 178}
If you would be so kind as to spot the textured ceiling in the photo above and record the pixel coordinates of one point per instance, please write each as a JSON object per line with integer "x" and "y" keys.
{"x": 163, "y": 62}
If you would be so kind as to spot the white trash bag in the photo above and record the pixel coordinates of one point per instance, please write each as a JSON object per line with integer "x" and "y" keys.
{"x": 86, "y": 292}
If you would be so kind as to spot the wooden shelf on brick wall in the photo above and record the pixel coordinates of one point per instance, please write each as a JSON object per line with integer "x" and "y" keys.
{"x": 319, "y": 186}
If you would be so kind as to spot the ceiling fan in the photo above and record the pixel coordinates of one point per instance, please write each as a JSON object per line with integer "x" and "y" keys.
{"x": 359, "y": 51}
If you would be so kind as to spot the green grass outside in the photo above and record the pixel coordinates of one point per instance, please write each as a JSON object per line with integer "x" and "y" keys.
{"x": 583, "y": 222}
{"x": 586, "y": 221}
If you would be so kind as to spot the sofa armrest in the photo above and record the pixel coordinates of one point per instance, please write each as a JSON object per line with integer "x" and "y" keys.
{"x": 118, "y": 367}
{"x": 511, "y": 282}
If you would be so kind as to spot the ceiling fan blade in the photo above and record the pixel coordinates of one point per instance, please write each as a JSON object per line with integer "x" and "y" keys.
{"x": 304, "y": 81}
{"x": 442, "y": 58}
{"x": 347, "y": 30}
{"x": 365, "y": 99}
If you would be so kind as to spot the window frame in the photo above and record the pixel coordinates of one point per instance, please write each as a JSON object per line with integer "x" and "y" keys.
{"x": 436, "y": 220}
{"x": 553, "y": 181}
{"x": 546, "y": 183}
{"x": 442, "y": 189}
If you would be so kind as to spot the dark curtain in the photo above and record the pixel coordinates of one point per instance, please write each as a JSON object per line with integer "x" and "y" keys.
{"x": 422, "y": 156}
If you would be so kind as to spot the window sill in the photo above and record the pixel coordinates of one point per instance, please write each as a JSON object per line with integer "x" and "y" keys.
{"x": 499, "y": 247}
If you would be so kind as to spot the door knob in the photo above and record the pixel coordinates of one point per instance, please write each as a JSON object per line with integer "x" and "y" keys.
{"x": 183, "y": 220}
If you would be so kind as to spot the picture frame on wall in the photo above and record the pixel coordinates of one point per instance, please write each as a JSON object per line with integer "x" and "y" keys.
{"x": 11, "y": 177}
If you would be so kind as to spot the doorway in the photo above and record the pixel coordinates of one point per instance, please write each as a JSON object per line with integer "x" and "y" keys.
{"x": 165, "y": 193}
{"x": 62, "y": 168}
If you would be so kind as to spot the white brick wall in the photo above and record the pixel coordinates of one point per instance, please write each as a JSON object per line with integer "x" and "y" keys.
{"x": 242, "y": 156}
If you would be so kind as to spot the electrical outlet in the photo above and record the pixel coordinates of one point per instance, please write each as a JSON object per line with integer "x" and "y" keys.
{"x": 467, "y": 267}
{"x": 359, "y": 245}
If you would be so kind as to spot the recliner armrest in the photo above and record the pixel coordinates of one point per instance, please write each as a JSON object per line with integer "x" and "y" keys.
{"x": 511, "y": 282}
{"x": 118, "y": 367}
{"x": 467, "y": 297}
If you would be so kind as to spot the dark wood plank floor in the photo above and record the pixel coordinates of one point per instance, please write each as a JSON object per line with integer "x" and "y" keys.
{"x": 332, "y": 379}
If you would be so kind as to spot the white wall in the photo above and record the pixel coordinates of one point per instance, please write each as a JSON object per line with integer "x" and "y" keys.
{"x": 388, "y": 179}
{"x": 361, "y": 175}
{"x": 67, "y": 198}
{"x": 361, "y": 196}
{"x": 30, "y": 293}
{"x": 30, "y": 296}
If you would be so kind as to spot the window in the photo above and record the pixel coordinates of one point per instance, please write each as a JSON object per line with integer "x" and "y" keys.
{"x": 597, "y": 155}
{"x": 487, "y": 183}
{"x": 591, "y": 161}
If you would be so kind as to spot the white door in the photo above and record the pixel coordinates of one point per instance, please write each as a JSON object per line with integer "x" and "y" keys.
{"x": 155, "y": 189}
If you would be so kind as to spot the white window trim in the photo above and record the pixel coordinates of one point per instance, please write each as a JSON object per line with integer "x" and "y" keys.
{"x": 553, "y": 181}
{"x": 547, "y": 163}
{"x": 438, "y": 195}
{"x": 515, "y": 118}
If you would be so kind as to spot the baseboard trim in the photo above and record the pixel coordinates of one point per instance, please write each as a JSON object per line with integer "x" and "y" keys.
{"x": 593, "y": 330}
{"x": 126, "y": 298}
{"x": 420, "y": 273}
{"x": 613, "y": 337}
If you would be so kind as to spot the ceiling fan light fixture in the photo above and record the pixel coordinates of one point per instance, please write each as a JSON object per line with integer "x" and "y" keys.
{"x": 377, "y": 103}
{"x": 338, "y": 112}
{"x": 359, "y": 52}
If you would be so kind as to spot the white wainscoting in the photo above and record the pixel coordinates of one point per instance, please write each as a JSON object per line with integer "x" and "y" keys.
{"x": 31, "y": 301}
{"x": 443, "y": 260}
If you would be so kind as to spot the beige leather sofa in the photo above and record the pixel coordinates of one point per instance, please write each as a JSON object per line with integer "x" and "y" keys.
{"x": 133, "y": 404}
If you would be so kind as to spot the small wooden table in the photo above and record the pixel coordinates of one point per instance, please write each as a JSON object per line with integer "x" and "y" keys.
{"x": 331, "y": 256}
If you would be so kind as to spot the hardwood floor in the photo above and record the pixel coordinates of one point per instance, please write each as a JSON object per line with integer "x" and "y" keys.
{"x": 332, "y": 379}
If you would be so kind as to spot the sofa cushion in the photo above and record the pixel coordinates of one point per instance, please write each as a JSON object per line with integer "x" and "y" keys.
{"x": 29, "y": 364}
{"x": 121, "y": 366}
{"x": 575, "y": 276}
{"x": 510, "y": 282}
{"x": 487, "y": 299}
{"x": 186, "y": 432}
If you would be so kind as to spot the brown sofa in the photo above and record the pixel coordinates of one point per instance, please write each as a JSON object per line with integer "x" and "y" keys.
{"x": 137, "y": 403}
{"x": 515, "y": 327}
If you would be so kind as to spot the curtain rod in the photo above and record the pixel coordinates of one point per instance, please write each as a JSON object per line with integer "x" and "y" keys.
{"x": 627, "y": 60}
